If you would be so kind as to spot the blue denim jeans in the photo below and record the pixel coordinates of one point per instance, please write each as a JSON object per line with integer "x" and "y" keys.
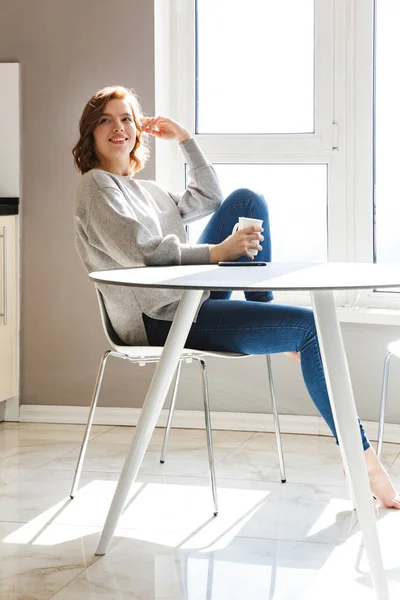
{"x": 254, "y": 325}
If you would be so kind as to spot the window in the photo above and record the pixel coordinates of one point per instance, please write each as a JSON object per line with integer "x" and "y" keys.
{"x": 280, "y": 97}
{"x": 387, "y": 132}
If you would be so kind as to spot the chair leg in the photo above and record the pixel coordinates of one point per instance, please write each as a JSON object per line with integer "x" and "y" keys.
{"x": 207, "y": 417}
{"x": 170, "y": 414}
{"x": 276, "y": 420}
{"x": 93, "y": 405}
{"x": 383, "y": 404}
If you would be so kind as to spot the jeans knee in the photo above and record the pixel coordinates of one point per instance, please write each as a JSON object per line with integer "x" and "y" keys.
{"x": 247, "y": 195}
{"x": 309, "y": 326}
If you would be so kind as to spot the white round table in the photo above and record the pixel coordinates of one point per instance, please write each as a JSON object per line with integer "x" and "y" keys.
{"x": 321, "y": 279}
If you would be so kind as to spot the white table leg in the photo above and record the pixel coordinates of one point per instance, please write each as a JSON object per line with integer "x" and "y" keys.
{"x": 151, "y": 411}
{"x": 345, "y": 417}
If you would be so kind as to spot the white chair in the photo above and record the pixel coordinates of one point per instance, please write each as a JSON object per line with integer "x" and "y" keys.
{"x": 142, "y": 355}
{"x": 393, "y": 350}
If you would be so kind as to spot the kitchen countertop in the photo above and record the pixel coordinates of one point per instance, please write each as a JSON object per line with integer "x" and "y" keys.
{"x": 9, "y": 206}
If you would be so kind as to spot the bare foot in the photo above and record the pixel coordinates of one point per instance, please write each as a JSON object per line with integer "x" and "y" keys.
{"x": 379, "y": 481}
{"x": 293, "y": 356}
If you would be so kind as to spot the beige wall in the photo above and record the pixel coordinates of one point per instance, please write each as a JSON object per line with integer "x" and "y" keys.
{"x": 67, "y": 50}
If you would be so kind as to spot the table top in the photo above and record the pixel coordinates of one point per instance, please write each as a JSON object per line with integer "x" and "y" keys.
{"x": 274, "y": 276}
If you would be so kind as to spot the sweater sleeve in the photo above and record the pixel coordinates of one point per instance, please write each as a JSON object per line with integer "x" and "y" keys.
{"x": 203, "y": 194}
{"x": 113, "y": 229}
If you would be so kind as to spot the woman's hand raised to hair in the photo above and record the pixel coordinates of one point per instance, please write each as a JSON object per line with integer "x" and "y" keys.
{"x": 165, "y": 129}
{"x": 238, "y": 244}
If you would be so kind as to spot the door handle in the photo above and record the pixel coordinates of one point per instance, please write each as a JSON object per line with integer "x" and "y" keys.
{"x": 4, "y": 313}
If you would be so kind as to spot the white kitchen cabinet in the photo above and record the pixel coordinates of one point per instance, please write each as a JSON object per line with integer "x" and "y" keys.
{"x": 8, "y": 308}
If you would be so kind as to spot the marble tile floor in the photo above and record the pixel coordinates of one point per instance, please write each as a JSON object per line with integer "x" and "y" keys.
{"x": 270, "y": 541}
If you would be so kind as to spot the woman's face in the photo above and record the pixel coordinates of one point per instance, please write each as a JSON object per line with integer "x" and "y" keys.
{"x": 115, "y": 135}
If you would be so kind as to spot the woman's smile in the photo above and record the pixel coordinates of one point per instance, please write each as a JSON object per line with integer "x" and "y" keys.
{"x": 118, "y": 139}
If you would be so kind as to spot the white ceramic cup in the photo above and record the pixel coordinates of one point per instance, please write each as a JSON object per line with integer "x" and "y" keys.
{"x": 247, "y": 222}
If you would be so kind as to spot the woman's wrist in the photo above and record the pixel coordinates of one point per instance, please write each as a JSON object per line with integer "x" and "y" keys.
{"x": 215, "y": 254}
{"x": 183, "y": 136}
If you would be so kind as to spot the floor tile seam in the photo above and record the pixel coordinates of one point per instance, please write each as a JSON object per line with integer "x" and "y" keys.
{"x": 62, "y": 471}
{"x": 238, "y": 536}
{"x": 27, "y": 426}
{"x": 235, "y": 449}
{"x": 160, "y": 442}
{"x": 19, "y": 477}
{"x": 38, "y": 468}
{"x": 232, "y": 479}
{"x": 180, "y": 475}
{"x": 316, "y": 483}
{"x": 39, "y": 443}
{"x": 298, "y": 541}
{"x": 97, "y": 435}
{"x": 287, "y": 483}
{"x": 35, "y": 444}
{"x": 73, "y": 579}
{"x": 172, "y": 531}
{"x": 69, "y": 525}
{"x": 295, "y": 541}
{"x": 394, "y": 460}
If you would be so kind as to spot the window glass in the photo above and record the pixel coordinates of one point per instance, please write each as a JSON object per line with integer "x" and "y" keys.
{"x": 255, "y": 66}
{"x": 387, "y": 132}
{"x": 296, "y": 195}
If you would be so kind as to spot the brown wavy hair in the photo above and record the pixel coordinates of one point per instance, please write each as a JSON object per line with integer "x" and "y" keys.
{"x": 84, "y": 155}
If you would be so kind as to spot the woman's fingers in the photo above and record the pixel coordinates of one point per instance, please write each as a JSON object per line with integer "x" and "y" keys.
{"x": 150, "y": 123}
{"x": 146, "y": 121}
{"x": 255, "y": 236}
{"x": 252, "y": 238}
{"x": 156, "y": 123}
{"x": 251, "y": 229}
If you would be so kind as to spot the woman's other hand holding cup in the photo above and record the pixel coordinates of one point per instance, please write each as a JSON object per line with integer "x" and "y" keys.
{"x": 244, "y": 241}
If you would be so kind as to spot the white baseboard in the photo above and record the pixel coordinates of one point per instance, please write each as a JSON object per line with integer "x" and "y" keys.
{"x": 191, "y": 419}
{"x": 12, "y": 409}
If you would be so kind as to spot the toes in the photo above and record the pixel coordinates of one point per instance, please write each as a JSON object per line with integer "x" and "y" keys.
{"x": 395, "y": 503}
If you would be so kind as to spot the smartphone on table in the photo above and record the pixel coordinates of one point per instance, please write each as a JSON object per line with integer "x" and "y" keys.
{"x": 252, "y": 263}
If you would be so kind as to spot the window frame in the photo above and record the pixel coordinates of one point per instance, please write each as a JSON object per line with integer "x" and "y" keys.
{"x": 343, "y": 137}
{"x": 364, "y": 50}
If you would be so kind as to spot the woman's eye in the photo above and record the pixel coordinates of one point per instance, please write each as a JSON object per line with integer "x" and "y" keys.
{"x": 104, "y": 120}
{"x": 128, "y": 119}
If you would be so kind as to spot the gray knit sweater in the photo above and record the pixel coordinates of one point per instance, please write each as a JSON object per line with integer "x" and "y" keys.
{"x": 125, "y": 222}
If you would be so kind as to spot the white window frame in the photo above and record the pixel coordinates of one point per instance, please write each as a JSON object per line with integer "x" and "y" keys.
{"x": 343, "y": 124}
{"x": 363, "y": 153}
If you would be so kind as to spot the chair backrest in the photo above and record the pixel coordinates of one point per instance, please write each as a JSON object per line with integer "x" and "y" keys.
{"x": 109, "y": 331}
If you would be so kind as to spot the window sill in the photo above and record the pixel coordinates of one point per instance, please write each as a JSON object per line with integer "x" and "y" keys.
{"x": 360, "y": 314}
{"x": 372, "y": 316}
